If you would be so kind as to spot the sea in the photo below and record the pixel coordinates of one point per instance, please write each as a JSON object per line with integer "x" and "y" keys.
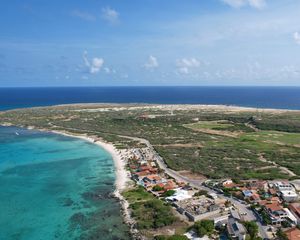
{"x": 58, "y": 187}
{"x": 259, "y": 97}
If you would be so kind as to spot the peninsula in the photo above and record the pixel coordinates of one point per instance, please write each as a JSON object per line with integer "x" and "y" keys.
{"x": 184, "y": 168}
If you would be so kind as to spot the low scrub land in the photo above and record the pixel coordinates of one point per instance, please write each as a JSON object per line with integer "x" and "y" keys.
{"x": 150, "y": 213}
{"x": 216, "y": 142}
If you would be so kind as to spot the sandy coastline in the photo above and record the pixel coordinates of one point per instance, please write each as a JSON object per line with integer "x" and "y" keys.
{"x": 122, "y": 175}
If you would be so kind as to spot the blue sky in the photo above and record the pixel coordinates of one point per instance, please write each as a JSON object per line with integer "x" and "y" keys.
{"x": 149, "y": 42}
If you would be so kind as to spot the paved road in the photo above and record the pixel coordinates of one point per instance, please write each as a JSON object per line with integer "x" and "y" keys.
{"x": 250, "y": 216}
{"x": 198, "y": 184}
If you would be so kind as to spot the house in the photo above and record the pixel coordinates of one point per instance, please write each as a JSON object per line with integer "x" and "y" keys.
{"x": 290, "y": 217}
{"x": 275, "y": 212}
{"x": 139, "y": 175}
{"x": 255, "y": 197}
{"x": 221, "y": 220}
{"x": 281, "y": 186}
{"x": 235, "y": 229}
{"x": 152, "y": 179}
{"x": 289, "y": 195}
{"x": 247, "y": 193}
{"x": 170, "y": 185}
{"x": 228, "y": 183}
{"x": 258, "y": 185}
{"x": 179, "y": 195}
{"x": 295, "y": 210}
{"x": 293, "y": 234}
{"x": 270, "y": 200}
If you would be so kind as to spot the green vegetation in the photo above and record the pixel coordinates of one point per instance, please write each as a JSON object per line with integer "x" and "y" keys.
{"x": 281, "y": 235}
{"x": 157, "y": 188}
{"x": 168, "y": 193}
{"x": 174, "y": 237}
{"x": 200, "y": 193}
{"x": 252, "y": 230}
{"x": 148, "y": 211}
{"x": 265, "y": 217}
{"x": 137, "y": 194}
{"x": 214, "y": 125}
{"x": 217, "y": 143}
{"x": 204, "y": 227}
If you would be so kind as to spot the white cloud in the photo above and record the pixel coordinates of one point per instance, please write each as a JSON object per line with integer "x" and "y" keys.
{"x": 258, "y": 4}
{"x": 110, "y": 15}
{"x": 83, "y": 15}
{"x": 151, "y": 63}
{"x": 297, "y": 37}
{"x": 95, "y": 65}
{"x": 185, "y": 64}
{"x": 107, "y": 70}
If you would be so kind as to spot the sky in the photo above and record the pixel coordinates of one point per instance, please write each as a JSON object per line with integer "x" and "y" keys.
{"x": 149, "y": 43}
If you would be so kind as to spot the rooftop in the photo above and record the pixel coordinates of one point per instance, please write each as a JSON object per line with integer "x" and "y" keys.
{"x": 293, "y": 234}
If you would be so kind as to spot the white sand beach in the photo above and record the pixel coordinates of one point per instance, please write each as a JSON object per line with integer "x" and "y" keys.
{"x": 122, "y": 175}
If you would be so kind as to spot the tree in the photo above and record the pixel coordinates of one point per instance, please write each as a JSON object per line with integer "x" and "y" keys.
{"x": 200, "y": 193}
{"x": 252, "y": 229}
{"x": 157, "y": 188}
{"x": 178, "y": 237}
{"x": 281, "y": 235}
{"x": 204, "y": 227}
{"x": 174, "y": 237}
{"x": 160, "y": 237}
{"x": 168, "y": 193}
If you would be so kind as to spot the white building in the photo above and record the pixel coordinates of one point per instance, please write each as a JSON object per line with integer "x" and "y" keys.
{"x": 281, "y": 186}
{"x": 179, "y": 195}
{"x": 291, "y": 217}
{"x": 289, "y": 195}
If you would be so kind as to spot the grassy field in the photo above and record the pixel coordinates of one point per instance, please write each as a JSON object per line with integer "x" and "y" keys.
{"x": 215, "y": 143}
{"x": 284, "y": 138}
{"x": 151, "y": 214}
{"x": 214, "y": 125}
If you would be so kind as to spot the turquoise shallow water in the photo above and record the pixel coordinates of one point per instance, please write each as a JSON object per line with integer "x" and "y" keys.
{"x": 56, "y": 187}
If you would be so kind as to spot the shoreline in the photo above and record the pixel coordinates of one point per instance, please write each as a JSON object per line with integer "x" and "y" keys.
{"x": 122, "y": 176}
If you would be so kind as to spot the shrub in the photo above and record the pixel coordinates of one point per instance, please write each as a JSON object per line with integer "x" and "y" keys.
{"x": 157, "y": 188}
{"x": 204, "y": 227}
{"x": 168, "y": 193}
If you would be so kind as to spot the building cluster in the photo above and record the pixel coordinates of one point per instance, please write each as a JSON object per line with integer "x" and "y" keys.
{"x": 145, "y": 172}
{"x": 184, "y": 198}
{"x": 275, "y": 203}
{"x": 196, "y": 208}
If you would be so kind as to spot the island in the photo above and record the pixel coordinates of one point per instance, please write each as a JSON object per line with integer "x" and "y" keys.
{"x": 187, "y": 171}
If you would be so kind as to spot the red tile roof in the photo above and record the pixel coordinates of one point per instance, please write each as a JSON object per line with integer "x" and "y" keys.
{"x": 293, "y": 234}
{"x": 143, "y": 173}
{"x": 275, "y": 206}
{"x": 154, "y": 177}
{"x": 295, "y": 207}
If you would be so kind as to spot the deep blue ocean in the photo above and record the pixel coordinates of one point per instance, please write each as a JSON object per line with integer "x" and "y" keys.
{"x": 261, "y": 97}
